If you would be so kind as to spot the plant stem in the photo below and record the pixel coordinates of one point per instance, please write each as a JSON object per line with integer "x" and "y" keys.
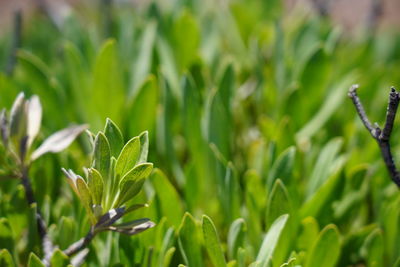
{"x": 47, "y": 244}
{"x": 381, "y": 136}
{"x": 80, "y": 244}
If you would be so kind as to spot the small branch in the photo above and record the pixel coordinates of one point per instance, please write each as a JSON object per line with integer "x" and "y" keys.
{"x": 16, "y": 42}
{"x": 47, "y": 244}
{"x": 80, "y": 244}
{"x": 381, "y": 136}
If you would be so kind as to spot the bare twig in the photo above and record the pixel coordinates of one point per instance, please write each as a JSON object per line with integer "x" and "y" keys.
{"x": 381, "y": 136}
{"x": 47, "y": 244}
{"x": 16, "y": 42}
{"x": 80, "y": 244}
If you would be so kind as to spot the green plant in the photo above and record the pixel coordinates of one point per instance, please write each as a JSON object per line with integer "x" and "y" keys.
{"x": 123, "y": 167}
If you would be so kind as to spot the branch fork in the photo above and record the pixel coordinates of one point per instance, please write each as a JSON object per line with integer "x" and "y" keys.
{"x": 382, "y": 136}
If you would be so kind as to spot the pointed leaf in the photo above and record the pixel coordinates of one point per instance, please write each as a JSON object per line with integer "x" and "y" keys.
{"x": 141, "y": 171}
{"x": 128, "y": 157}
{"x": 59, "y": 259}
{"x": 170, "y": 203}
{"x": 326, "y": 249}
{"x": 101, "y": 155}
{"x": 144, "y": 146}
{"x": 95, "y": 184}
{"x": 189, "y": 241}
{"x": 114, "y": 137}
{"x": 212, "y": 243}
{"x": 34, "y": 261}
{"x": 283, "y": 167}
{"x": 271, "y": 240}
{"x": 6, "y": 235}
{"x": 236, "y": 237}
{"x": 373, "y": 249}
{"x": 278, "y": 202}
{"x": 58, "y": 141}
{"x": 6, "y": 259}
{"x": 86, "y": 198}
{"x": 129, "y": 190}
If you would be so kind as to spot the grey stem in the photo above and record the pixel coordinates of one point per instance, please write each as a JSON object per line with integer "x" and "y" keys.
{"x": 381, "y": 136}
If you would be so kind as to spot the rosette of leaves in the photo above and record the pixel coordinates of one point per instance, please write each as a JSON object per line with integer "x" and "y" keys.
{"x": 116, "y": 176}
{"x": 18, "y": 130}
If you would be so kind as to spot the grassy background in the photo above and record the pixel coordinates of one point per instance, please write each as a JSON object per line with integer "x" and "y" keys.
{"x": 248, "y": 120}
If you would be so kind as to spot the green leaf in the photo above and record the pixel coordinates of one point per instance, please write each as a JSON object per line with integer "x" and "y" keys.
{"x": 144, "y": 146}
{"x": 128, "y": 157}
{"x": 143, "y": 107}
{"x": 132, "y": 182}
{"x": 236, "y": 237}
{"x": 86, "y": 197}
{"x": 169, "y": 200}
{"x": 373, "y": 249}
{"x": 142, "y": 64}
{"x": 114, "y": 137}
{"x": 139, "y": 172}
{"x": 326, "y": 165}
{"x": 168, "y": 256}
{"x": 95, "y": 184}
{"x": 326, "y": 249}
{"x": 6, "y": 259}
{"x": 6, "y": 234}
{"x": 271, "y": 240}
{"x": 58, "y": 141}
{"x": 283, "y": 167}
{"x": 59, "y": 259}
{"x": 101, "y": 155}
{"x": 278, "y": 202}
{"x": 189, "y": 241}
{"x": 332, "y": 103}
{"x": 67, "y": 226}
{"x": 309, "y": 233}
{"x": 212, "y": 243}
{"x": 107, "y": 93}
{"x": 322, "y": 197}
{"x": 34, "y": 261}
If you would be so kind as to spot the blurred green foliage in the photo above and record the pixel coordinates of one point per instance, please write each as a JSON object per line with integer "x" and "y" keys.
{"x": 260, "y": 156}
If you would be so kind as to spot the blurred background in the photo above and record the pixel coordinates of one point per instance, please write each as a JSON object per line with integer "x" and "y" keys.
{"x": 350, "y": 14}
